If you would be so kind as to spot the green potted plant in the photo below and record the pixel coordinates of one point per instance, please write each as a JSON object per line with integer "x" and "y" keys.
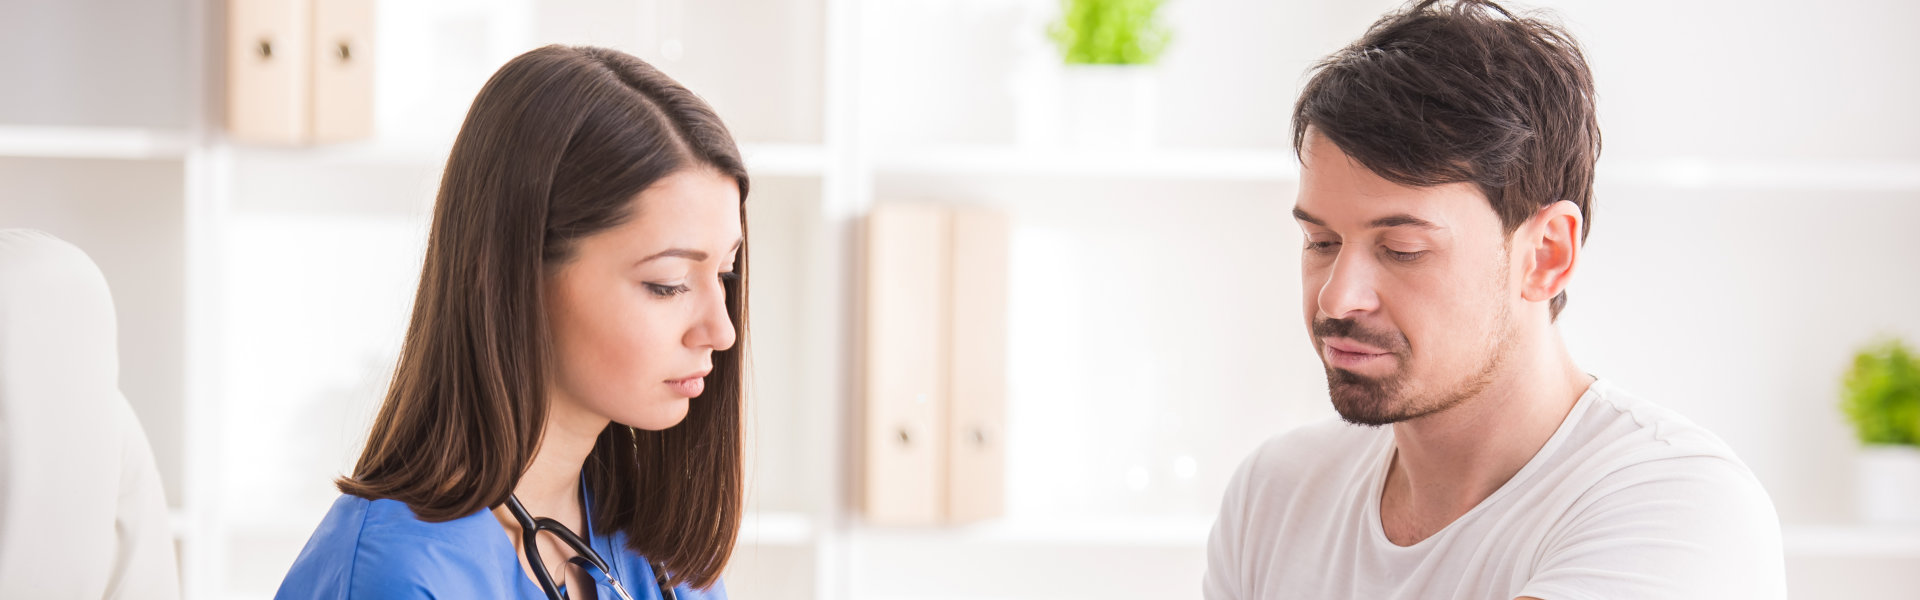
{"x": 1110, "y": 32}
{"x": 1108, "y": 49}
{"x": 1881, "y": 398}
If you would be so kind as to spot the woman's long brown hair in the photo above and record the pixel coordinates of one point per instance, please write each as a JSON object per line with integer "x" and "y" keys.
{"x": 555, "y": 148}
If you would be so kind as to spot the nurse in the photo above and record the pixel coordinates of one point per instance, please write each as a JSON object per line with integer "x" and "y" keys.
{"x": 571, "y": 353}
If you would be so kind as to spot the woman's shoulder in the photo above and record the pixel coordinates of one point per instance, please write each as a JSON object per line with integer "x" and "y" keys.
{"x": 717, "y": 592}
{"x": 389, "y": 519}
{"x": 379, "y": 548}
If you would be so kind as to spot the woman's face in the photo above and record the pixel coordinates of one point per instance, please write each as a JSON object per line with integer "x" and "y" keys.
{"x": 638, "y": 311}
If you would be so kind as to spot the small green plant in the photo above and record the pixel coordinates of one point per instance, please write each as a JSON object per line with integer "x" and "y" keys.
{"x": 1110, "y": 32}
{"x": 1881, "y": 395}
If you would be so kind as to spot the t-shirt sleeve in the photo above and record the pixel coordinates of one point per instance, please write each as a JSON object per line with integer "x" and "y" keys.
{"x": 1224, "y": 579}
{"x": 1679, "y": 528}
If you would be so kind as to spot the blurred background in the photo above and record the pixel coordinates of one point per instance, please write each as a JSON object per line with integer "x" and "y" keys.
{"x": 1753, "y": 229}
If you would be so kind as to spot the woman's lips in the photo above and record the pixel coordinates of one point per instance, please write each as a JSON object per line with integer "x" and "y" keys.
{"x": 689, "y": 387}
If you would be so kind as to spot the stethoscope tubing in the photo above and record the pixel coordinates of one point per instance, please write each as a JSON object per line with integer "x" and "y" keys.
{"x": 584, "y": 554}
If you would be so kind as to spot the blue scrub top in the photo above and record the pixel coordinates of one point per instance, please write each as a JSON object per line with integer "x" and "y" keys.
{"x": 368, "y": 549}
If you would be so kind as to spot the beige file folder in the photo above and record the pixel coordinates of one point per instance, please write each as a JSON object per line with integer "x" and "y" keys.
{"x": 343, "y": 55}
{"x": 904, "y": 470}
{"x": 935, "y": 365}
{"x": 267, "y": 70}
{"x": 976, "y": 413}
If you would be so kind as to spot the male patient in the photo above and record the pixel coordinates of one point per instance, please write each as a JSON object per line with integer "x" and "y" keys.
{"x": 1447, "y": 165}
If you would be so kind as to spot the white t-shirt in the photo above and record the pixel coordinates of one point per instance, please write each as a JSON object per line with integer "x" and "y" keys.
{"x": 1627, "y": 500}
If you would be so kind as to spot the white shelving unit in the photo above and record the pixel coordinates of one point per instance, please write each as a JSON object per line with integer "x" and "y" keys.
{"x": 1192, "y": 165}
{"x": 1856, "y": 541}
{"x": 1129, "y": 266}
{"x": 41, "y": 141}
{"x": 1802, "y": 175}
{"x": 765, "y": 159}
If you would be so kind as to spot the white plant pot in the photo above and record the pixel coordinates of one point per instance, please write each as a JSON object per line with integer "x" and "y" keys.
{"x": 1889, "y": 484}
{"x": 1110, "y": 106}
{"x": 1084, "y": 106}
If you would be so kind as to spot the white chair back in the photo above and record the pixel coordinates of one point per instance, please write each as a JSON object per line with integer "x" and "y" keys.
{"x": 82, "y": 513}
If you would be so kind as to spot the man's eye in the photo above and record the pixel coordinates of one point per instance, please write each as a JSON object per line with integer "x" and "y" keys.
{"x": 1323, "y": 247}
{"x": 1404, "y": 256}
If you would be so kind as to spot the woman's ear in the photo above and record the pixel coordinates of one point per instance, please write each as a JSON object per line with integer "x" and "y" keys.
{"x": 1554, "y": 233}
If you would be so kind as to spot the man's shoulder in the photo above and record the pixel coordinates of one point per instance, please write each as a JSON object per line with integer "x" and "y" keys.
{"x": 1620, "y": 428}
{"x": 1627, "y": 452}
{"x": 1645, "y": 498}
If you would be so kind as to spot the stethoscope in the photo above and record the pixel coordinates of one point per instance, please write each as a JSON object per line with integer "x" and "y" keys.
{"x": 583, "y": 555}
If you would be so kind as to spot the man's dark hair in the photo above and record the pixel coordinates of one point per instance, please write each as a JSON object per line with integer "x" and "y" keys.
{"x": 1464, "y": 91}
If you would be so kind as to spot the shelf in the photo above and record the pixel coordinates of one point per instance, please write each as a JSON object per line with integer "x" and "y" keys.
{"x": 1279, "y": 165}
{"x": 1179, "y": 531}
{"x": 1807, "y": 175}
{"x": 31, "y": 141}
{"x": 762, "y": 159}
{"x": 1851, "y": 541}
{"x": 776, "y": 529}
{"x": 1233, "y": 165}
{"x": 395, "y": 153}
{"x": 1191, "y": 531}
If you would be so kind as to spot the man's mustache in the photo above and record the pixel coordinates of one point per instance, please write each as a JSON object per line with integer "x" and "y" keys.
{"x": 1390, "y": 341}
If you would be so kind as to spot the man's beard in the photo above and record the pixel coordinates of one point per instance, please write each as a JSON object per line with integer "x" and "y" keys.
{"x": 1387, "y": 399}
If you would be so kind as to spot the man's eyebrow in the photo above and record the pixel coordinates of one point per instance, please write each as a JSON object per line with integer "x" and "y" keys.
{"x": 1399, "y": 220}
{"x": 688, "y": 253}
{"x": 1402, "y": 220}
{"x": 1303, "y": 216}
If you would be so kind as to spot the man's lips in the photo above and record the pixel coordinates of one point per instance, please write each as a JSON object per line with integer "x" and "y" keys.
{"x": 1350, "y": 347}
{"x": 1347, "y": 354}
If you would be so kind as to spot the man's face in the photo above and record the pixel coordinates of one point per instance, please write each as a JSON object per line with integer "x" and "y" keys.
{"x": 1408, "y": 291}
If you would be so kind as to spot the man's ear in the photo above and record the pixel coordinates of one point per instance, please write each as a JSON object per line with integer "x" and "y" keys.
{"x": 1554, "y": 236}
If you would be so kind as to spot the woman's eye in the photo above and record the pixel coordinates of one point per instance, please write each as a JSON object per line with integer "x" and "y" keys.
{"x": 665, "y": 291}
{"x": 1322, "y": 246}
{"x": 1404, "y": 256}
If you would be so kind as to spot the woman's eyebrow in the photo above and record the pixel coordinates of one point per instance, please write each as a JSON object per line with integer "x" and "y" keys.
{"x": 688, "y": 253}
